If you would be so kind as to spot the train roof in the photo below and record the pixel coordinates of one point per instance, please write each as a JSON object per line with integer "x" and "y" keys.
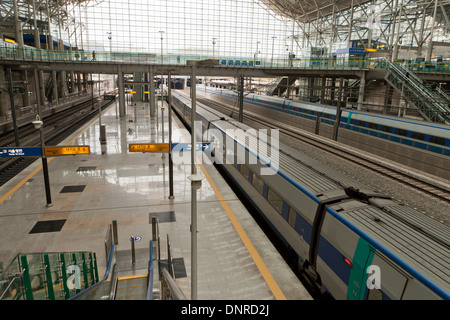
{"x": 418, "y": 240}
{"x": 393, "y": 121}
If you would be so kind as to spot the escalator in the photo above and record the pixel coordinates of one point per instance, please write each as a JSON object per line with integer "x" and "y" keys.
{"x": 429, "y": 103}
{"x": 279, "y": 86}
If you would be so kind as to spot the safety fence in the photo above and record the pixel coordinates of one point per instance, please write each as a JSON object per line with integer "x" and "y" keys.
{"x": 357, "y": 63}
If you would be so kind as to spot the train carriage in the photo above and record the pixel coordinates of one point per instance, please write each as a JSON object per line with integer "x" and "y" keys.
{"x": 351, "y": 242}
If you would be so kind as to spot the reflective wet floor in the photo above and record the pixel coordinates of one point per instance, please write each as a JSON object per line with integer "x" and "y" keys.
{"x": 89, "y": 191}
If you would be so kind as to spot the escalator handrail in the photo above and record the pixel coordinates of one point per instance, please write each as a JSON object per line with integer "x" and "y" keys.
{"x": 105, "y": 277}
{"x": 150, "y": 275}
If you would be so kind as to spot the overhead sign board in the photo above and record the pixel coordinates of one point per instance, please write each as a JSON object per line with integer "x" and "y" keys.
{"x": 66, "y": 150}
{"x": 149, "y": 147}
{"x": 188, "y": 146}
{"x": 21, "y": 152}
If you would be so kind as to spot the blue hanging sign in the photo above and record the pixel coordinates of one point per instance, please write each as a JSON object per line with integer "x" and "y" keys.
{"x": 188, "y": 146}
{"x": 21, "y": 152}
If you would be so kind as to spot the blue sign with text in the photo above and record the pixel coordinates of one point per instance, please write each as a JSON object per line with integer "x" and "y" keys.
{"x": 188, "y": 146}
{"x": 21, "y": 152}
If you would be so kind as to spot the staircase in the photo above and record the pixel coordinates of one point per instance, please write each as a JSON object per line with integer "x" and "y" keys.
{"x": 129, "y": 274}
{"x": 429, "y": 104}
{"x": 280, "y": 83}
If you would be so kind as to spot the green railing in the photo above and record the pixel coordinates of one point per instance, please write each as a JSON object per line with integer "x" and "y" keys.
{"x": 48, "y": 276}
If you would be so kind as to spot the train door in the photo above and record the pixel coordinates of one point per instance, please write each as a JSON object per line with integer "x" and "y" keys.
{"x": 374, "y": 276}
{"x": 392, "y": 280}
{"x": 362, "y": 259}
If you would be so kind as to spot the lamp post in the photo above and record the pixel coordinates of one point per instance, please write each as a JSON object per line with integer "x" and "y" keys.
{"x": 273, "y": 42}
{"x": 162, "y": 32}
{"x": 213, "y": 43}
{"x": 169, "y": 103}
{"x": 110, "y": 44}
{"x": 196, "y": 183}
{"x": 162, "y": 81}
{"x": 256, "y": 53}
{"x": 38, "y": 124}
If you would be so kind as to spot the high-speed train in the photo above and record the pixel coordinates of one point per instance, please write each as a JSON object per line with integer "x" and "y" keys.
{"x": 423, "y": 135}
{"x": 351, "y": 242}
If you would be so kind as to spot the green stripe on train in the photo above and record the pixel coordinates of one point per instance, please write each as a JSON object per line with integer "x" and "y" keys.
{"x": 358, "y": 276}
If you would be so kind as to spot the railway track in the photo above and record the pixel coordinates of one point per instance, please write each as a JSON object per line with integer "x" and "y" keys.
{"x": 399, "y": 176}
{"x": 57, "y": 127}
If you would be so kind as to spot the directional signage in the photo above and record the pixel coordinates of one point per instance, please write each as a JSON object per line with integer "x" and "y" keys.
{"x": 21, "y": 152}
{"x": 188, "y": 146}
{"x": 67, "y": 150}
{"x": 149, "y": 147}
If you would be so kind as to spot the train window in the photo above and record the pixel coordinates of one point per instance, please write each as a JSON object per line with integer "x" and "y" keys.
{"x": 373, "y": 125}
{"x": 292, "y": 217}
{"x": 258, "y": 184}
{"x": 244, "y": 171}
{"x": 418, "y": 136}
{"x": 275, "y": 200}
{"x": 401, "y": 132}
{"x": 386, "y": 128}
{"x": 437, "y": 140}
{"x": 361, "y": 123}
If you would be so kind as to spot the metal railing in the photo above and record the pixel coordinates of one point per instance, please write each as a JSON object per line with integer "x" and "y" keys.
{"x": 169, "y": 290}
{"x": 31, "y": 54}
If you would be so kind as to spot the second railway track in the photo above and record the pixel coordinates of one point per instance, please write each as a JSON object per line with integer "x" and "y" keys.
{"x": 438, "y": 192}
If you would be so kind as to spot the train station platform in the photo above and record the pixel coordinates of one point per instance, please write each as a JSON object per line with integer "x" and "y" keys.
{"x": 236, "y": 261}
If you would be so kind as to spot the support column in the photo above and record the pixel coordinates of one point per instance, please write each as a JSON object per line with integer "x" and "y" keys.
{"x": 73, "y": 82}
{"x": 333, "y": 89}
{"x": 241, "y": 98}
{"x": 121, "y": 93}
{"x": 37, "y": 44}
{"x": 338, "y": 111}
{"x": 322, "y": 92}
{"x": 152, "y": 92}
{"x": 19, "y": 39}
{"x": 63, "y": 76}
{"x": 430, "y": 39}
{"x": 387, "y": 97}
{"x": 51, "y": 48}
{"x": 362, "y": 88}
{"x": 310, "y": 88}
{"x": 137, "y": 77}
{"x": 80, "y": 87}
{"x": 3, "y": 94}
{"x": 289, "y": 87}
{"x": 84, "y": 83}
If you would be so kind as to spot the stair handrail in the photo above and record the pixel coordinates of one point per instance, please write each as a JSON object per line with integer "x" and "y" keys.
{"x": 169, "y": 289}
{"x": 90, "y": 289}
{"x": 150, "y": 273}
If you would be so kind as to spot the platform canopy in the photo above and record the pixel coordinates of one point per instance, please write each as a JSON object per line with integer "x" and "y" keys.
{"x": 307, "y": 10}
{"x": 310, "y": 10}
